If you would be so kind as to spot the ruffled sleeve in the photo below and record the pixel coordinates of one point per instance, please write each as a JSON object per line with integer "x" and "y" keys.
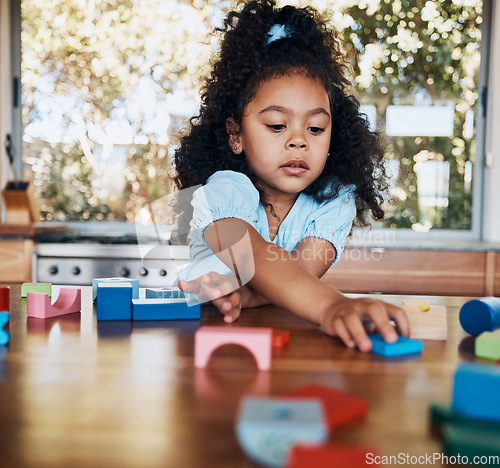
{"x": 333, "y": 220}
{"x": 227, "y": 194}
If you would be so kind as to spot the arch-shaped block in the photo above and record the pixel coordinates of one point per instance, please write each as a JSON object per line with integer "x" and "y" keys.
{"x": 39, "y": 306}
{"x": 5, "y": 298}
{"x": 257, "y": 340}
{"x": 4, "y": 334}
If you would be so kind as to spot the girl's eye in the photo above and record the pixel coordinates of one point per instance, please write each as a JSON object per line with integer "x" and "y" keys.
{"x": 316, "y": 130}
{"x": 277, "y": 127}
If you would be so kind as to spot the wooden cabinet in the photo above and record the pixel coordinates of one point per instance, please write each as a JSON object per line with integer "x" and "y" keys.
{"x": 432, "y": 272}
{"x": 16, "y": 258}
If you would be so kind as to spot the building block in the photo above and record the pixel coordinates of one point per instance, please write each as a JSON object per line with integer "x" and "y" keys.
{"x": 480, "y": 315}
{"x": 429, "y": 324}
{"x": 38, "y": 304}
{"x": 476, "y": 391}
{"x": 4, "y": 334}
{"x": 165, "y": 293}
{"x": 487, "y": 345}
{"x": 280, "y": 338}
{"x": 471, "y": 442}
{"x": 330, "y": 456}
{"x": 440, "y": 415}
{"x": 43, "y": 288}
{"x": 164, "y": 309}
{"x": 402, "y": 346}
{"x": 339, "y": 407}
{"x": 257, "y": 340}
{"x": 133, "y": 282}
{"x": 268, "y": 427}
{"x": 422, "y": 305}
{"x": 114, "y": 301}
{"x": 5, "y": 298}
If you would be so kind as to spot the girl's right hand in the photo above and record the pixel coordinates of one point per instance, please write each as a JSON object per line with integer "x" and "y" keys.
{"x": 348, "y": 318}
{"x": 222, "y": 290}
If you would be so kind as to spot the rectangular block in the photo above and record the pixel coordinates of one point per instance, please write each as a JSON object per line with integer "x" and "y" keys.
{"x": 401, "y": 347}
{"x": 471, "y": 442}
{"x": 476, "y": 391}
{"x": 164, "y": 293}
{"x": 164, "y": 309}
{"x": 426, "y": 324}
{"x": 43, "y": 288}
{"x": 440, "y": 415}
{"x": 133, "y": 282}
{"x": 487, "y": 345}
{"x": 114, "y": 301}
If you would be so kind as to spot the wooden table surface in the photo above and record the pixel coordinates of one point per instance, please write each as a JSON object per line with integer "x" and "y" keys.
{"x": 77, "y": 393}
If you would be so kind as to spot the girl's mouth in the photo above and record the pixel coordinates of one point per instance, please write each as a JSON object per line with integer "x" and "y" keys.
{"x": 295, "y": 167}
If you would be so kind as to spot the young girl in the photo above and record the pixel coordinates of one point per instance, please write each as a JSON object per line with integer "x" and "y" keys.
{"x": 287, "y": 162}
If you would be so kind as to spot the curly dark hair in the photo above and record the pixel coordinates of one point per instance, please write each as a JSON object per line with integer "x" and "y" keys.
{"x": 244, "y": 62}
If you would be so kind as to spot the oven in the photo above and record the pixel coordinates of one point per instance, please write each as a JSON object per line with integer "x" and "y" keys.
{"x": 78, "y": 258}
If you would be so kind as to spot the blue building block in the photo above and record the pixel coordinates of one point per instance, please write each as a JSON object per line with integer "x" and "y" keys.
{"x": 268, "y": 427}
{"x": 114, "y": 301}
{"x": 165, "y": 293}
{"x": 164, "y": 309}
{"x": 133, "y": 282}
{"x": 480, "y": 315}
{"x": 4, "y": 335}
{"x": 476, "y": 391}
{"x": 402, "y": 346}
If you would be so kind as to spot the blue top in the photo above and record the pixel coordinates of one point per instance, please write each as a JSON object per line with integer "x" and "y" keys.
{"x": 229, "y": 194}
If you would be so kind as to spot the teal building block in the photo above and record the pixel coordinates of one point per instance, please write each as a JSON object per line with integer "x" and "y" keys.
{"x": 487, "y": 345}
{"x": 402, "y": 346}
{"x": 470, "y": 442}
{"x": 44, "y": 288}
{"x": 4, "y": 334}
{"x": 165, "y": 293}
{"x": 440, "y": 415}
{"x": 476, "y": 391}
{"x": 114, "y": 301}
{"x": 164, "y": 309}
{"x": 267, "y": 428}
{"x": 133, "y": 282}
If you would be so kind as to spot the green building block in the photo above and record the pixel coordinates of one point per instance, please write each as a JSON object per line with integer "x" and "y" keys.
{"x": 45, "y": 288}
{"x": 487, "y": 345}
{"x": 472, "y": 442}
{"x": 440, "y": 415}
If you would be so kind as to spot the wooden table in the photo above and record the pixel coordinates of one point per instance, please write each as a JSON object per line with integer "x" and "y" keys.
{"x": 77, "y": 393}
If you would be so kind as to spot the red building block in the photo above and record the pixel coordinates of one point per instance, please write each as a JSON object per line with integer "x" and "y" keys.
{"x": 339, "y": 407}
{"x": 5, "y": 298}
{"x": 331, "y": 455}
{"x": 280, "y": 338}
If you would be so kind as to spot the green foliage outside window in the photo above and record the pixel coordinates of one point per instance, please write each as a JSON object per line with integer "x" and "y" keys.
{"x": 86, "y": 66}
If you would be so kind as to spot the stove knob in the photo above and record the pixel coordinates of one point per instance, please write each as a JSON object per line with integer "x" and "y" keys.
{"x": 143, "y": 271}
{"x": 76, "y": 270}
{"x": 163, "y": 273}
{"x": 124, "y": 271}
{"x": 53, "y": 270}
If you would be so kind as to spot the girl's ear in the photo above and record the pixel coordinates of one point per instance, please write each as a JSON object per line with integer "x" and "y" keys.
{"x": 233, "y": 131}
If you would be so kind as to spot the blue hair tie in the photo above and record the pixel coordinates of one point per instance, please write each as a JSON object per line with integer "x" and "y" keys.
{"x": 276, "y": 32}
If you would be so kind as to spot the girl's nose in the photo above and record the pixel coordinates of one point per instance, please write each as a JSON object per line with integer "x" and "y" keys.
{"x": 297, "y": 141}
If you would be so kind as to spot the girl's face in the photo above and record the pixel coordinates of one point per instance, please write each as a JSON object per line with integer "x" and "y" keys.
{"x": 285, "y": 133}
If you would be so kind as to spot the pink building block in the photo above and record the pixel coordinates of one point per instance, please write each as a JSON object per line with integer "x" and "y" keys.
{"x": 38, "y": 304}
{"x": 257, "y": 340}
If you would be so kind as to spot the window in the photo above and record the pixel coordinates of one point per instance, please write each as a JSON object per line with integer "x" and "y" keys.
{"x": 108, "y": 86}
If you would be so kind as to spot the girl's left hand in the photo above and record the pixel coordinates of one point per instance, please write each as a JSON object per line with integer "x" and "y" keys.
{"x": 222, "y": 290}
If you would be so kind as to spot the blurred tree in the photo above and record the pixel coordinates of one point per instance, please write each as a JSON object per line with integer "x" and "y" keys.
{"x": 100, "y": 64}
